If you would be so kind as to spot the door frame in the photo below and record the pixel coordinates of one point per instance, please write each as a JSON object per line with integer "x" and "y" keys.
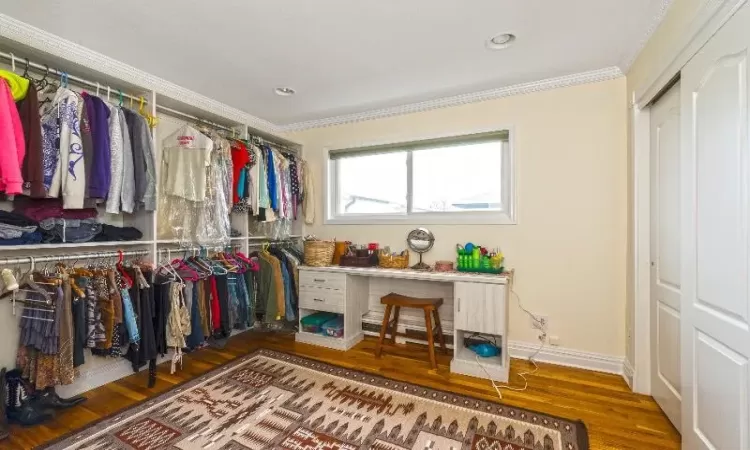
{"x": 709, "y": 18}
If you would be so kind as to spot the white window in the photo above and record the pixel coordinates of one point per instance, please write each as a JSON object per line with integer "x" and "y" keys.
{"x": 460, "y": 179}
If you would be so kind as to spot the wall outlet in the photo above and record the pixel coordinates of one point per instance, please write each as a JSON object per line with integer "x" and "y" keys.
{"x": 542, "y": 324}
{"x": 554, "y": 341}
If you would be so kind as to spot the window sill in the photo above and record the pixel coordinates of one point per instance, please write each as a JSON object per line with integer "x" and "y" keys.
{"x": 494, "y": 218}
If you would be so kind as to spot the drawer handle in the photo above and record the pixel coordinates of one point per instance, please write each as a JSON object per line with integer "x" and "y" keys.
{"x": 459, "y": 304}
{"x": 318, "y": 300}
{"x": 318, "y": 280}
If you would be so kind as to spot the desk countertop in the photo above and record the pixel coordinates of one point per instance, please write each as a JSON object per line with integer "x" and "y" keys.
{"x": 409, "y": 274}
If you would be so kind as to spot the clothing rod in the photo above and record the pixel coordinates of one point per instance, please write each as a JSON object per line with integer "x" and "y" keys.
{"x": 42, "y": 69}
{"x": 81, "y": 256}
{"x": 174, "y": 112}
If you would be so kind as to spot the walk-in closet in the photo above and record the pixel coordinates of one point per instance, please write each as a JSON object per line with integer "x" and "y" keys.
{"x": 132, "y": 232}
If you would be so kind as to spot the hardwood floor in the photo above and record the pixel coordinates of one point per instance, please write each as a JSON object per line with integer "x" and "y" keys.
{"x": 615, "y": 417}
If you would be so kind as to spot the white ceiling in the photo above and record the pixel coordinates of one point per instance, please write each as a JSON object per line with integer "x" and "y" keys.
{"x": 348, "y": 56}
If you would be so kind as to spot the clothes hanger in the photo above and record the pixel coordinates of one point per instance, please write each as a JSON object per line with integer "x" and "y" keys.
{"x": 228, "y": 263}
{"x": 120, "y": 268}
{"x": 166, "y": 269}
{"x": 180, "y": 264}
{"x": 200, "y": 265}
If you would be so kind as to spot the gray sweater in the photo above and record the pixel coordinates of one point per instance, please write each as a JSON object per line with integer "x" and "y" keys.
{"x": 143, "y": 161}
{"x": 116, "y": 161}
{"x": 127, "y": 195}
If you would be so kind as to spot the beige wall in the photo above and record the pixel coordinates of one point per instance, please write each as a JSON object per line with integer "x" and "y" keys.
{"x": 569, "y": 245}
{"x": 658, "y": 52}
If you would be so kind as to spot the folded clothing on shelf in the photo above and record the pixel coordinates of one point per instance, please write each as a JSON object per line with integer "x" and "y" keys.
{"x": 113, "y": 233}
{"x": 14, "y": 226}
{"x": 69, "y": 230}
{"x": 24, "y": 239}
{"x": 40, "y": 209}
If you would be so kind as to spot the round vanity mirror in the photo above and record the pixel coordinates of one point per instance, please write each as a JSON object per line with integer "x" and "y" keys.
{"x": 420, "y": 241}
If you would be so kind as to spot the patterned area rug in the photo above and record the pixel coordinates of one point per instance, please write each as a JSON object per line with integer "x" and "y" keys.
{"x": 273, "y": 400}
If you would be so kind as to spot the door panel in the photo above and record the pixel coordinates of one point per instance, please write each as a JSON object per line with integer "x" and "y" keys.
{"x": 668, "y": 359}
{"x": 665, "y": 254}
{"x": 480, "y": 308}
{"x": 715, "y": 266}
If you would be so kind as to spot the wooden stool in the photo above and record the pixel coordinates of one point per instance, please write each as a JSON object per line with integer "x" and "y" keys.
{"x": 430, "y": 307}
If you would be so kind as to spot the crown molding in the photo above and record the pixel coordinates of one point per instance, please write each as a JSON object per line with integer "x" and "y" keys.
{"x": 629, "y": 58}
{"x": 49, "y": 43}
{"x": 593, "y": 76}
{"x": 54, "y": 45}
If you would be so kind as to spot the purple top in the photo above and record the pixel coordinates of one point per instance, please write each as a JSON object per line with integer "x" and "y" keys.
{"x": 101, "y": 175}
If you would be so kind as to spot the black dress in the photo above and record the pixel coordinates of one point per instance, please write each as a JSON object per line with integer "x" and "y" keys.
{"x": 143, "y": 300}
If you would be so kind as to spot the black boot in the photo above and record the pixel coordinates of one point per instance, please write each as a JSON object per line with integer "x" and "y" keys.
{"x": 3, "y": 399}
{"x": 48, "y": 399}
{"x": 21, "y": 408}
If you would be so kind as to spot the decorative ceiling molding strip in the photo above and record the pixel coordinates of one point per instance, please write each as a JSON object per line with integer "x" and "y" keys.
{"x": 593, "y": 76}
{"x": 629, "y": 58}
{"x": 49, "y": 43}
{"x": 39, "y": 39}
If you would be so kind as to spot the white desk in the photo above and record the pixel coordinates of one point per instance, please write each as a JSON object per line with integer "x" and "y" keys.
{"x": 473, "y": 303}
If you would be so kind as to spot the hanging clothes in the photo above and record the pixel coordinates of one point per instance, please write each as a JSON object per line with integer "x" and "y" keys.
{"x": 32, "y": 167}
{"x": 116, "y": 168}
{"x": 12, "y": 143}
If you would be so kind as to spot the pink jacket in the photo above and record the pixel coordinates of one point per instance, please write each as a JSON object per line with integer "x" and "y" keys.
{"x": 12, "y": 143}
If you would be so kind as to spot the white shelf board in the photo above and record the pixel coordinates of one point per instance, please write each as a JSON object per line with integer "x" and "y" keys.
{"x": 52, "y": 246}
{"x": 321, "y": 340}
{"x": 266, "y": 238}
{"x": 168, "y": 241}
{"x": 465, "y": 362}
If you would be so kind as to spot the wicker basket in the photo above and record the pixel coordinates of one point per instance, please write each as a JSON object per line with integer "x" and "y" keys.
{"x": 319, "y": 253}
{"x": 388, "y": 261}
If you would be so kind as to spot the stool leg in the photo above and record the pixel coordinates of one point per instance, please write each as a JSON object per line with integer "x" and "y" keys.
{"x": 430, "y": 339}
{"x": 440, "y": 331}
{"x": 383, "y": 329}
{"x": 394, "y": 330}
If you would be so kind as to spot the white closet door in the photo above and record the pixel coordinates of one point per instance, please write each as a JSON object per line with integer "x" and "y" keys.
{"x": 665, "y": 254}
{"x": 715, "y": 246}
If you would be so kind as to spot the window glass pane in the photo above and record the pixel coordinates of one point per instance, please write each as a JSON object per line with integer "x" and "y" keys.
{"x": 458, "y": 178}
{"x": 374, "y": 184}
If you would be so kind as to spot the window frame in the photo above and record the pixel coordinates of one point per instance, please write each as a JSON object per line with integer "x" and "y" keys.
{"x": 505, "y": 216}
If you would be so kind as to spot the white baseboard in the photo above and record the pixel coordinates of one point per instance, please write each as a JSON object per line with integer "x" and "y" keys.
{"x": 102, "y": 375}
{"x": 107, "y": 373}
{"x": 93, "y": 378}
{"x": 554, "y": 355}
{"x": 568, "y": 357}
{"x": 628, "y": 372}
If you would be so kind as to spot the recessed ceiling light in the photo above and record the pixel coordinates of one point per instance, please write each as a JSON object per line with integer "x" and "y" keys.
{"x": 284, "y": 91}
{"x": 501, "y": 41}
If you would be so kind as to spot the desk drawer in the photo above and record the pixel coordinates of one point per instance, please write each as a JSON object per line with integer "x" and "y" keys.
{"x": 322, "y": 280}
{"x": 321, "y": 299}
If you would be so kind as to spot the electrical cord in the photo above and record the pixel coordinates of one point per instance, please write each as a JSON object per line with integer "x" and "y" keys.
{"x": 532, "y": 360}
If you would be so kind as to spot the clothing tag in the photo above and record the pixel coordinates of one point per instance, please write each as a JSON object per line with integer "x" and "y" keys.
{"x": 185, "y": 141}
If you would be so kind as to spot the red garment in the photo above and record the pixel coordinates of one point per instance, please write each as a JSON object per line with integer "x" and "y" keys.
{"x": 40, "y": 209}
{"x": 240, "y": 159}
{"x": 215, "y": 310}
